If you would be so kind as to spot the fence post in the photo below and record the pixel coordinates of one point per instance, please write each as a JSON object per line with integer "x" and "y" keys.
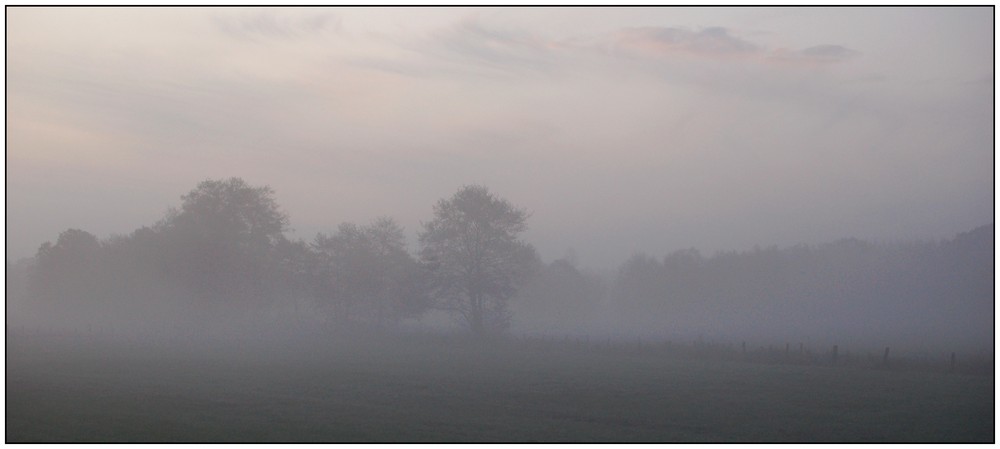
{"x": 952, "y": 369}
{"x": 834, "y": 354}
{"x": 885, "y": 356}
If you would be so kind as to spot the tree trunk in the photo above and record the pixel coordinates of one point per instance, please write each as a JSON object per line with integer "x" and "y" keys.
{"x": 476, "y": 315}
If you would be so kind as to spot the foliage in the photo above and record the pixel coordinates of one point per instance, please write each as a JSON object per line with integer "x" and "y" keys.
{"x": 367, "y": 276}
{"x": 849, "y": 291}
{"x": 68, "y": 273}
{"x": 223, "y": 250}
{"x": 222, "y": 242}
{"x": 223, "y": 253}
{"x": 560, "y": 293}
{"x": 475, "y": 258}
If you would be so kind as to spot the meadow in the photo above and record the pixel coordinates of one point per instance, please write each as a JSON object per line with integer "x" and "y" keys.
{"x": 420, "y": 388}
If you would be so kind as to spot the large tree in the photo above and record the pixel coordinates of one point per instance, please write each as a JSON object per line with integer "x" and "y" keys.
{"x": 69, "y": 272}
{"x": 475, "y": 258}
{"x": 222, "y": 242}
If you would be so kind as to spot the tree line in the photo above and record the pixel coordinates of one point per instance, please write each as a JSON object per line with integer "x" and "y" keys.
{"x": 932, "y": 295}
{"x": 224, "y": 252}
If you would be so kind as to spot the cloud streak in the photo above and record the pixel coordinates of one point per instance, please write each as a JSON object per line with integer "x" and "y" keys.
{"x": 667, "y": 41}
{"x": 472, "y": 47}
{"x": 815, "y": 55}
{"x": 470, "y": 40}
{"x": 267, "y": 24}
{"x": 719, "y": 43}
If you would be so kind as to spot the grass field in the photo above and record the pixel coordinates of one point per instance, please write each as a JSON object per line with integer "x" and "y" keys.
{"x": 424, "y": 389}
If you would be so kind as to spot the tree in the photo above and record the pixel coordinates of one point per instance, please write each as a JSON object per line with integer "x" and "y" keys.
{"x": 476, "y": 261}
{"x": 368, "y": 275}
{"x": 401, "y": 287}
{"x": 560, "y": 297}
{"x": 67, "y": 275}
{"x": 222, "y": 243}
{"x": 232, "y": 212}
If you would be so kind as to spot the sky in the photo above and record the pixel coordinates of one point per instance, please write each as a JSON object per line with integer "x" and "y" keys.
{"x": 621, "y": 130}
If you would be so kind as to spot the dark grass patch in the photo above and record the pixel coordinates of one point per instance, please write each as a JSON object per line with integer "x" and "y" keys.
{"x": 441, "y": 390}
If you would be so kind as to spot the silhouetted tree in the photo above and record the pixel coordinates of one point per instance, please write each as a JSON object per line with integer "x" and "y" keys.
{"x": 298, "y": 267}
{"x": 560, "y": 297}
{"x": 475, "y": 258}
{"x": 67, "y": 275}
{"x": 367, "y": 276}
{"x": 401, "y": 285}
{"x": 221, "y": 243}
{"x": 68, "y": 268}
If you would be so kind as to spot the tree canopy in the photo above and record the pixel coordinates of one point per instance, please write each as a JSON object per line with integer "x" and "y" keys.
{"x": 474, "y": 255}
{"x": 366, "y": 275}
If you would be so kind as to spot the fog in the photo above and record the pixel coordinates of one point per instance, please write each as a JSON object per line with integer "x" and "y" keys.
{"x": 515, "y": 190}
{"x": 220, "y": 267}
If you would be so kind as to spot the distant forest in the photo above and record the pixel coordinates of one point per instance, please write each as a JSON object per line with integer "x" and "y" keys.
{"x": 223, "y": 263}
{"x": 923, "y": 296}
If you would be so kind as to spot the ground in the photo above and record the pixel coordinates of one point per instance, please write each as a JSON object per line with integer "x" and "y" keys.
{"x": 434, "y": 389}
